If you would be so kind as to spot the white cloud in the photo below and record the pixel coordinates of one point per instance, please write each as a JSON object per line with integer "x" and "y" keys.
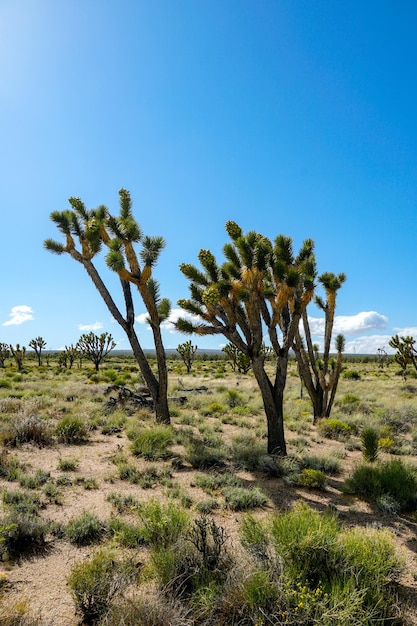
{"x": 408, "y": 331}
{"x": 350, "y": 324}
{"x": 168, "y": 324}
{"x": 19, "y": 314}
{"x": 369, "y": 344}
{"x": 90, "y": 327}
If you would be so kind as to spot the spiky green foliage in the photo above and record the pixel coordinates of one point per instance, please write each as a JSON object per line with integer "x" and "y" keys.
{"x": 262, "y": 285}
{"x": 85, "y": 233}
{"x": 96, "y": 347}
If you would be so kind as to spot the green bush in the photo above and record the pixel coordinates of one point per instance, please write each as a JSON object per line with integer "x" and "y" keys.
{"x": 246, "y": 451}
{"x": 72, "y": 430}
{"x": 68, "y": 465}
{"x": 305, "y": 540}
{"x": 126, "y": 534}
{"x": 392, "y": 478}
{"x": 369, "y": 557}
{"x": 94, "y": 584}
{"x": 9, "y": 466}
{"x": 312, "y": 479}
{"x": 351, "y": 375}
{"x": 85, "y": 529}
{"x": 243, "y": 499}
{"x": 369, "y": 440}
{"x": 162, "y": 524}
{"x": 328, "y": 464}
{"x": 333, "y": 428}
{"x": 204, "y": 455}
{"x": 254, "y": 536}
{"x": 215, "y": 408}
{"x": 22, "y": 533}
{"x": 153, "y": 443}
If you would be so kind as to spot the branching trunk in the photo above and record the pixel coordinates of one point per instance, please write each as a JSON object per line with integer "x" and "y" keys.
{"x": 158, "y": 388}
{"x": 273, "y": 401}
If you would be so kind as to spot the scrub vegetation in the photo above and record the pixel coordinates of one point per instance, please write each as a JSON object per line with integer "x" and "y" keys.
{"x": 109, "y": 518}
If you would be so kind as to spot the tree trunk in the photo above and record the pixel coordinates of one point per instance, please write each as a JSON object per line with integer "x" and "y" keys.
{"x": 273, "y": 401}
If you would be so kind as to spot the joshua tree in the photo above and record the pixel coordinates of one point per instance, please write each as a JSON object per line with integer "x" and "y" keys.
{"x": 38, "y": 344}
{"x": 261, "y": 285}
{"x": 71, "y": 353}
{"x": 92, "y": 229}
{"x": 187, "y": 352}
{"x": 96, "y": 347}
{"x": 240, "y": 361}
{"x": 18, "y": 353}
{"x": 320, "y": 373}
{"x": 406, "y": 352}
{"x": 4, "y": 353}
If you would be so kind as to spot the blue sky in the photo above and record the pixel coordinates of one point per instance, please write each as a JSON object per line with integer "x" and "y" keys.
{"x": 287, "y": 116}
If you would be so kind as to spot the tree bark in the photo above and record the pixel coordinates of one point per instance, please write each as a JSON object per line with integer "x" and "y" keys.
{"x": 273, "y": 401}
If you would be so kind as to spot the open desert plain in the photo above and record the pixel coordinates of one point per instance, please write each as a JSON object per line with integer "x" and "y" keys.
{"x": 109, "y": 518}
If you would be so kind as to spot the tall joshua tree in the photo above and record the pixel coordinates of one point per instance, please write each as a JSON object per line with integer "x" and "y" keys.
{"x": 119, "y": 234}
{"x": 38, "y": 344}
{"x": 262, "y": 284}
{"x": 320, "y": 373}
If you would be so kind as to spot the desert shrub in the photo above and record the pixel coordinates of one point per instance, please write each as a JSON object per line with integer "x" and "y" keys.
{"x": 392, "y": 478}
{"x": 197, "y": 563}
{"x": 386, "y": 443}
{"x": 85, "y": 529}
{"x": 351, "y": 375}
{"x": 27, "y": 429}
{"x": 151, "y": 608}
{"x": 123, "y": 504}
{"x": 72, "y": 430}
{"x": 113, "y": 424}
{"x": 388, "y": 504}
{"x": 333, "y": 428}
{"x": 125, "y": 534}
{"x": 349, "y": 402}
{"x": 215, "y": 482}
{"x": 39, "y": 478}
{"x": 68, "y": 465}
{"x": 204, "y": 454}
{"x": 254, "y": 536}
{"x": 329, "y": 464}
{"x": 369, "y": 440}
{"x": 94, "y": 584}
{"x": 153, "y": 443}
{"x": 9, "y": 466}
{"x": 243, "y": 499}
{"x": 276, "y": 466}
{"x": 246, "y": 451}
{"x": 162, "y": 524}
{"x": 368, "y": 555}
{"x": 22, "y": 533}
{"x": 304, "y": 539}
{"x": 234, "y": 398}
{"x": 22, "y": 501}
{"x": 215, "y": 408}
{"x": 207, "y": 505}
{"x": 147, "y": 479}
{"x": 312, "y": 479}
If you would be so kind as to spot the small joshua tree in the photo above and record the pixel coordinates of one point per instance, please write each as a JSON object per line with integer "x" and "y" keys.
{"x": 37, "y": 344}
{"x": 187, "y": 352}
{"x": 4, "y": 353}
{"x": 240, "y": 361}
{"x": 406, "y": 352}
{"x": 96, "y": 348}
{"x": 18, "y": 353}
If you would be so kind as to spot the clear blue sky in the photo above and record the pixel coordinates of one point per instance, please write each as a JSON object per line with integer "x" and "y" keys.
{"x": 287, "y": 116}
